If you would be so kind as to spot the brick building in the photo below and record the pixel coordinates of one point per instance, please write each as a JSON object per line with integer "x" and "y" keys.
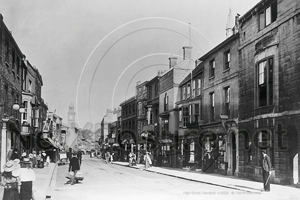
{"x": 10, "y": 90}
{"x": 269, "y": 109}
{"x": 128, "y": 135}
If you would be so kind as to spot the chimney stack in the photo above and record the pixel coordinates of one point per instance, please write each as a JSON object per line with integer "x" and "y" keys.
{"x": 187, "y": 51}
{"x": 172, "y": 62}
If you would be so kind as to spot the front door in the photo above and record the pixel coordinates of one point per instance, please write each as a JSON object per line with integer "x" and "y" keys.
{"x": 233, "y": 153}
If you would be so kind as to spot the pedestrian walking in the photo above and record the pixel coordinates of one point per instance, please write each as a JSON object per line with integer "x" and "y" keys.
{"x": 10, "y": 183}
{"x": 148, "y": 162}
{"x": 34, "y": 162}
{"x": 69, "y": 154}
{"x": 74, "y": 166}
{"x": 107, "y": 157}
{"x": 266, "y": 170}
{"x": 14, "y": 155}
{"x": 111, "y": 157}
{"x": 27, "y": 177}
{"x": 79, "y": 156}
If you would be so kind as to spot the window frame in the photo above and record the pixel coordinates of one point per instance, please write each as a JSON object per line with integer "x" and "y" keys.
{"x": 227, "y": 60}
{"x": 265, "y": 79}
{"x": 212, "y": 67}
{"x": 212, "y": 106}
{"x": 271, "y": 15}
{"x": 227, "y": 96}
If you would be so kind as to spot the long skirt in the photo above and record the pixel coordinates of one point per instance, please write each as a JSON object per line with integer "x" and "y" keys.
{"x": 11, "y": 194}
{"x": 26, "y": 190}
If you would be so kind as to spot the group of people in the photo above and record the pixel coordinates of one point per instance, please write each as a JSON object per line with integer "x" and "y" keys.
{"x": 109, "y": 157}
{"x": 17, "y": 178}
{"x": 147, "y": 158}
{"x": 37, "y": 160}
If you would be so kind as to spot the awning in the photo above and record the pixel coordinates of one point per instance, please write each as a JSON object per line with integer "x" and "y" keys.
{"x": 50, "y": 141}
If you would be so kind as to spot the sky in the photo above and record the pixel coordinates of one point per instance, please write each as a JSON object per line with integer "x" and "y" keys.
{"x": 92, "y": 53}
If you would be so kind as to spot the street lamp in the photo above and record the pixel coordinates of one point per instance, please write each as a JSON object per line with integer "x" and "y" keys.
{"x": 146, "y": 160}
{"x": 5, "y": 120}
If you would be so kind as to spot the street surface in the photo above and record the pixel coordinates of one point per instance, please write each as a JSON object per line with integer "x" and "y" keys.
{"x": 111, "y": 181}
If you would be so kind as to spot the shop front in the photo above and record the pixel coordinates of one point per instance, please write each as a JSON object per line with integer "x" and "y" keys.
{"x": 213, "y": 142}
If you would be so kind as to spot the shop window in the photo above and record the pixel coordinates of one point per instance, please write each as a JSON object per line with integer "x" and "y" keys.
{"x": 192, "y": 152}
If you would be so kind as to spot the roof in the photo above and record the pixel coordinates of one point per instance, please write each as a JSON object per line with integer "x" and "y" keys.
{"x": 128, "y": 100}
{"x": 222, "y": 44}
{"x": 253, "y": 10}
{"x": 195, "y": 72}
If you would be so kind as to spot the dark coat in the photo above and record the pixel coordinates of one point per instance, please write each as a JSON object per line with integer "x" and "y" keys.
{"x": 74, "y": 164}
{"x": 266, "y": 163}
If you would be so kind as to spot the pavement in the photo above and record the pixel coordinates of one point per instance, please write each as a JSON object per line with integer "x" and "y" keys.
{"x": 43, "y": 180}
{"x": 47, "y": 175}
{"x": 231, "y": 182}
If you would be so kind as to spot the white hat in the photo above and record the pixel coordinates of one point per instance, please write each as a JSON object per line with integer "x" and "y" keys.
{"x": 9, "y": 166}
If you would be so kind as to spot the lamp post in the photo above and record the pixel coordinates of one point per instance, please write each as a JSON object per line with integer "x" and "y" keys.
{"x": 5, "y": 120}
{"x": 146, "y": 160}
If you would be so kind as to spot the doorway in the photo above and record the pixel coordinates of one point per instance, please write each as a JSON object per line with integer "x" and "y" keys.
{"x": 233, "y": 142}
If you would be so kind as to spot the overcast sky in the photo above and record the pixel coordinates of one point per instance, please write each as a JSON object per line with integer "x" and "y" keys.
{"x": 92, "y": 52}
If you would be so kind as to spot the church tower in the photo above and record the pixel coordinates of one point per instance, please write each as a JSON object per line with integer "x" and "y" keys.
{"x": 71, "y": 136}
{"x": 71, "y": 116}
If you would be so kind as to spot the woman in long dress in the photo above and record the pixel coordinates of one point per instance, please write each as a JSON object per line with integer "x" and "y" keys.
{"x": 27, "y": 177}
{"x": 10, "y": 183}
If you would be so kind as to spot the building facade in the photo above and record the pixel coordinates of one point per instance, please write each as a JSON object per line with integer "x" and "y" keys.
{"x": 128, "y": 135}
{"x": 168, "y": 111}
{"x": 269, "y": 90}
{"x": 189, "y": 106}
{"x": 219, "y": 128}
{"x": 152, "y": 125}
{"x": 10, "y": 91}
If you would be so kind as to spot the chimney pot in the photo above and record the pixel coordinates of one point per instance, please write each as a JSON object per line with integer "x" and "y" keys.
{"x": 172, "y": 62}
{"x": 187, "y": 51}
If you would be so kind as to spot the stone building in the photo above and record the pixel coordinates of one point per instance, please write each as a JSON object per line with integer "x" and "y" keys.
{"x": 219, "y": 130}
{"x": 269, "y": 109}
{"x": 168, "y": 111}
{"x": 189, "y": 106}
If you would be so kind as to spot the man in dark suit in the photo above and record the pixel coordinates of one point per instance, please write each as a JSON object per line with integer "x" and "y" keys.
{"x": 266, "y": 170}
{"x": 74, "y": 166}
{"x": 79, "y": 156}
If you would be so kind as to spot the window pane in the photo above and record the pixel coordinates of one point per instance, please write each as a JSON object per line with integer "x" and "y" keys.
{"x": 271, "y": 81}
{"x": 262, "y": 71}
{"x": 261, "y": 20}
{"x": 268, "y": 16}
